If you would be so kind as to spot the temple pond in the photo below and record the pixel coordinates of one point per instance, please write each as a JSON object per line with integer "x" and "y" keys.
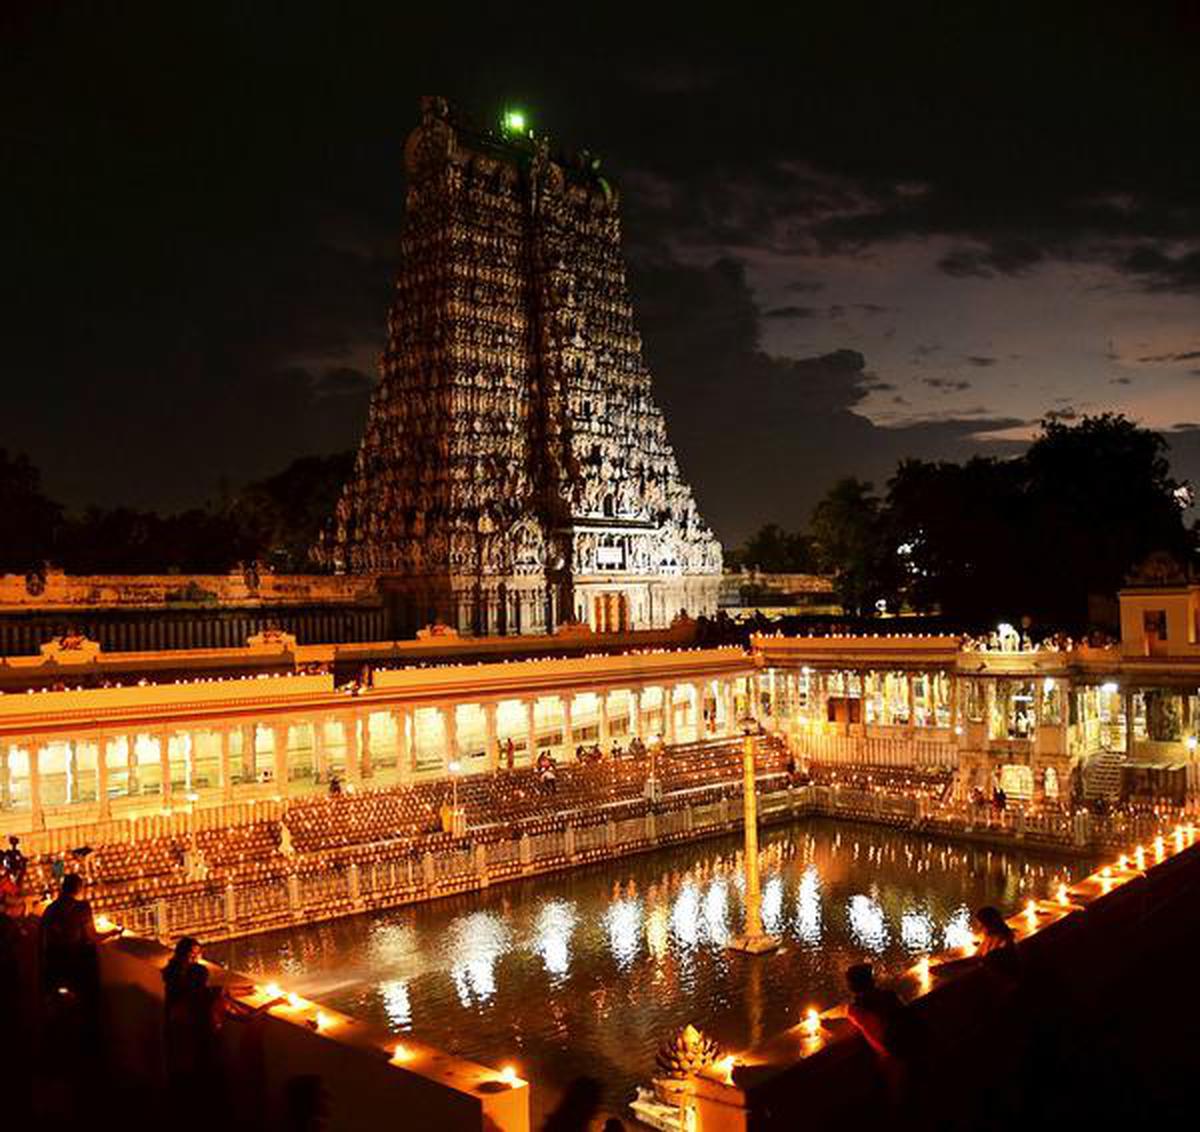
{"x": 587, "y": 971}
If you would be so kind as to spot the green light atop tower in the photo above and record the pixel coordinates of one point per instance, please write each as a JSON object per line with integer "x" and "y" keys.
{"x": 513, "y": 121}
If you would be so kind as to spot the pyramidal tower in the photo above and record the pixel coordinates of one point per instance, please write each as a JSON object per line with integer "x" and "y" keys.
{"x": 515, "y": 473}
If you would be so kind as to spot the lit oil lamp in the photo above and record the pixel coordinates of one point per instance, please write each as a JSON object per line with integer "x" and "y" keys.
{"x": 508, "y": 1074}
{"x": 273, "y": 990}
{"x": 322, "y": 1022}
{"x": 1139, "y": 858}
{"x": 1160, "y": 849}
{"x": 1061, "y": 895}
{"x": 725, "y": 1068}
{"x": 401, "y": 1053}
{"x": 811, "y": 1026}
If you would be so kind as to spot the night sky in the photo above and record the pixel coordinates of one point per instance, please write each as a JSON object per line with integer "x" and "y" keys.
{"x": 855, "y": 232}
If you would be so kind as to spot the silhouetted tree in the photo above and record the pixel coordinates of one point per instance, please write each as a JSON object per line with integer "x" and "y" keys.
{"x": 777, "y": 551}
{"x": 954, "y": 531}
{"x": 1099, "y": 499}
{"x": 849, "y": 539}
{"x": 29, "y": 521}
{"x": 281, "y": 517}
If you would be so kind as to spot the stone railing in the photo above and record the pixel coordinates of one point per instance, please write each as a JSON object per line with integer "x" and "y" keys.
{"x": 319, "y": 887}
{"x": 908, "y": 750}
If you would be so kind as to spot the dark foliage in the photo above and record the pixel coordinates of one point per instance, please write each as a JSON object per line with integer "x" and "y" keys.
{"x": 1032, "y": 537}
{"x": 273, "y": 521}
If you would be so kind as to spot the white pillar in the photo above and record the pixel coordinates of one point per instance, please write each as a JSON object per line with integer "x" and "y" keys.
{"x": 226, "y": 766}
{"x": 249, "y": 752}
{"x": 35, "y": 783}
{"x": 450, "y": 716}
{"x": 530, "y": 730}
{"x": 279, "y": 740}
{"x": 403, "y": 745}
{"x": 133, "y": 785}
{"x": 602, "y": 723}
{"x": 490, "y": 744}
{"x": 102, "y": 775}
{"x": 635, "y": 710}
{"x": 350, "y": 731}
{"x": 568, "y": 738}
{"x": 5, "y": 777}
{"x": 164, "y": 762}
{"x": 668, "y": 710}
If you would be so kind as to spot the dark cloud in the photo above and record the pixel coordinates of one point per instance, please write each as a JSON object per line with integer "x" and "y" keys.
{"x": 1067, "y": 413}
{"x": 343, "y": 381}
{"x": 946, "y": 384}
{"x": 980, "y": 360}
{"x": 1121, "y": 381}
{"x": 1187, "y": 356}
{"x": 797, "y": 426}
{"x": 791, "y": 312}
{"x": 201, "y": 211}
{"x": 1002, "y": 257}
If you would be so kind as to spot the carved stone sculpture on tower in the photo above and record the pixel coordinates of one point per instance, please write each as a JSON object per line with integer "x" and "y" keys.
{"x": 515, "y": 473}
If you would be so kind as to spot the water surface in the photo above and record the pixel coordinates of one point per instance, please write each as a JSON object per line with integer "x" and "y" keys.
{"x": 588, "y": 971}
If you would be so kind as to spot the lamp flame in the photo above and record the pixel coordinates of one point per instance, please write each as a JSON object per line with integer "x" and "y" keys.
{"x": 811, "y": 1026}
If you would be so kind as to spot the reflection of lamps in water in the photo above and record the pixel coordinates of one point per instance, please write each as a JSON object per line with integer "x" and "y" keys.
{"x": 753, "y": 940}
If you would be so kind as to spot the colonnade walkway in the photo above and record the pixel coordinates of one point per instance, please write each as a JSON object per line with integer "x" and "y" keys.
{"x": 312, "y": 856}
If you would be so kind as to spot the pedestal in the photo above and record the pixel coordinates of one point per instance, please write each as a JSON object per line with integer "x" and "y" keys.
{"x": 754, "y": 944}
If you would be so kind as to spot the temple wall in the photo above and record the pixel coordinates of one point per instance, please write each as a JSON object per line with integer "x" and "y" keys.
{"x": 265, "y": 1061}
{"x": 1090, "y": 951}
{"x": 121, "y": 591}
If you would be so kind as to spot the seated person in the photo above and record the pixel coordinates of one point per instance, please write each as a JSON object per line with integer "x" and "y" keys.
{"x": 877, "y": 1014}
{"x": 998, "y": 945}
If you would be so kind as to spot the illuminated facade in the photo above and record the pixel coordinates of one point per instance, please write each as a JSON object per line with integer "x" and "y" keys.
{"x": 1046, "y": 724}
{"x": 515, "y": 473}
{"x": 102, "y": 754}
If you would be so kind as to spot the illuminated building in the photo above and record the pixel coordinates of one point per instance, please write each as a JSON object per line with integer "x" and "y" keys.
{"x": 515, "y": 473}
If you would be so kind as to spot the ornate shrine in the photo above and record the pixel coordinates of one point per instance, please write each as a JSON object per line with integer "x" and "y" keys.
{"x": 515, "y": 473}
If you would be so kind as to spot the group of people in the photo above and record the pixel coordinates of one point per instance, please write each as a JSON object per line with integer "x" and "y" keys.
{"x": 998, "y": 800}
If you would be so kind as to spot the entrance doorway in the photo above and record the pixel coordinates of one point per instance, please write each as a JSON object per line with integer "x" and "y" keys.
{"x": 610, "y": 613}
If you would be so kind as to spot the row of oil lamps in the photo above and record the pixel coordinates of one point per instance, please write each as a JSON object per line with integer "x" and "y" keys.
{"x": 1035, "y": 915}
{"x": 272, "y": 998}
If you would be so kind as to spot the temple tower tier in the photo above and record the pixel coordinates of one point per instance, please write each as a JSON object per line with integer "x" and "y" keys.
{"x": 515, "y": 472}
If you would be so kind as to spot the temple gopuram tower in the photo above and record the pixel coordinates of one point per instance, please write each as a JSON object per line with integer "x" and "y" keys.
{"x": 515, "y": 472}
